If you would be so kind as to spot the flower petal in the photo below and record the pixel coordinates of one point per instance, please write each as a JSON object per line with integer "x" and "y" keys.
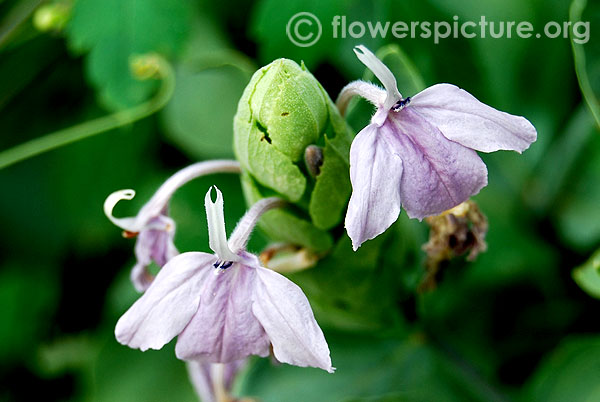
{"x": 152, "y": 245}
{"x": 375, "y": 173}
{"x": 168, "y": 304}
{"x": 141, "y": 277}
{"x": 156, "y": 244}
{"x": 224, "y": 329}
{"x": 463, "y": 119}
{"x": 438, "y": 173}
{"x": 286, "y": 315}
{"x": 382, "y": 72}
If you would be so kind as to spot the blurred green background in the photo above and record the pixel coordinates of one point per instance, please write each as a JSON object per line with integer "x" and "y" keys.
{"x": 513, "y": 325}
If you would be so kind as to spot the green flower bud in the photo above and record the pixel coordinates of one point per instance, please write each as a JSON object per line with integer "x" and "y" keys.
{"x": 291, "y": 142}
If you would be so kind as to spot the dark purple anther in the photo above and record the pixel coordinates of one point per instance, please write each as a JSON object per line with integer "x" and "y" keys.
{"x": 226, "y": 265}
{"x": 401, "y": 104}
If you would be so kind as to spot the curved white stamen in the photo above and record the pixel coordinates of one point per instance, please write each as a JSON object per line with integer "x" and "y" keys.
{"x": 381, "y": 72}
{"x": 367, "y": 90}
{"x": 241, "y": 233}
{"x": 128, "y": 224}
{"x": 217, "y": 237}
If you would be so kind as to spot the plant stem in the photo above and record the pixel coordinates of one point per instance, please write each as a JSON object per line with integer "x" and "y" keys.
{"x": 90, "y": 128}
{"x": 15, "y": 19}
{"x": 575, "y": 12}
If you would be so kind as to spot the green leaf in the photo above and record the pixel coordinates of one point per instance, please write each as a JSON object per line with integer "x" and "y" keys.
{"x": 270, "y": 19}
{"x": 577, "y": 214}
{"x": 498, "y": 58}
{"x": 354, "y": 291}
{"x": 115, "y": 30}
{"x": 115, "y": 160}
{"x": 28, "y": 296}
{"x": 587, "y": 276}
{"x": 198, "y": 119}
{"x": 570, "y": 373}
{"x": 559, "y": 161}
{"x": 366, "y": 366}
{"x": 124, "y": 374}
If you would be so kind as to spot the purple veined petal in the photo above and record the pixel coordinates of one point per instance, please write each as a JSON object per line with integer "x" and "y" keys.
{"x": 438, "y": 173}
{"x": 141, "y": 277}
{"x": 286, "y": 315}
{"x": 224, "y": 329}
{"x": 463, "y": 119}
{"x": 382, "y": 72}
{"x": 375, "y": 173}
{"x": 156, "y": 244}
{"x": 217, "y": 236}
{"x": 366, "y": 90}
{"x": 168, "y": 305}
{"x": 152, "y": 245}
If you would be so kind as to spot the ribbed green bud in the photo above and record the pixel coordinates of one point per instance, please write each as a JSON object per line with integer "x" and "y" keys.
{"x": 292, "y": 142}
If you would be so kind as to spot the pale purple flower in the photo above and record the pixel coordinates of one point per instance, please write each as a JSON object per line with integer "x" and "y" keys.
{"x": 419, "y": 152}
{"x": 226, "y": 306}
{"x": 213, "y": 381}
{"x": 152, "y": 225}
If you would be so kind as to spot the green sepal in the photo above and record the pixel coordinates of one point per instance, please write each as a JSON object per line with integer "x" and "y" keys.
{"x": 285, "y": 225}
{"x": 332, "y": 189}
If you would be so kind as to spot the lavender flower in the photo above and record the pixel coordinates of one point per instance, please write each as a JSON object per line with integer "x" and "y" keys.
{"x": 213, "y": 381}
{"x": 226, "y": 306}
{"x": 419, "y": 152}
{"x": 152, "y": 225}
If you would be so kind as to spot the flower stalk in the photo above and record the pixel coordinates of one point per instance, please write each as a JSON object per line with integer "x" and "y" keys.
{"x": 97, "y": 126}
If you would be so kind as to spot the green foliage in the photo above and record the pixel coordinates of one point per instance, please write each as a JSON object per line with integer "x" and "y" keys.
{"x": 587, "y": 276}
{"x": 269, "y": 26}
{"x": 199, "y": 117}
{"x": 27, "y": 298}
{"x": 507, "y": 326}
{"x": 286, "y": 225}
{"x": 367, "y": 369}
{"x": 570, "y": 373}
{"x": 113, "y": 31}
